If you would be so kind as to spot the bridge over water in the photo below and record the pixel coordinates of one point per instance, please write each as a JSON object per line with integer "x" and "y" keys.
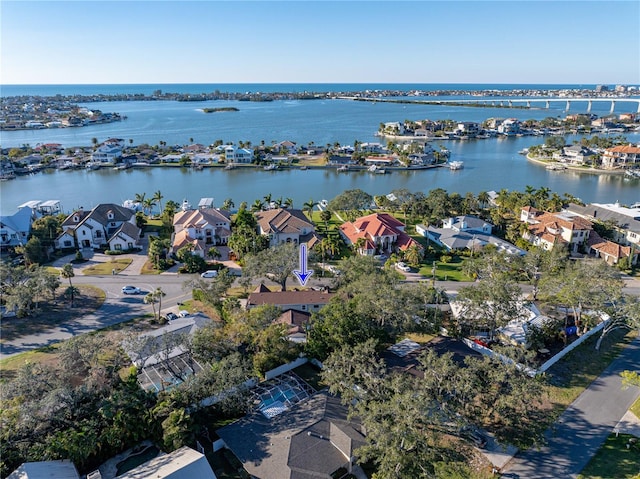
{"x": 534, "y": 102}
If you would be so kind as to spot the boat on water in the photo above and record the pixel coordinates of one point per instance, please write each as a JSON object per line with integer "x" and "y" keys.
{"x": 343, "y": 168}
{"x": 323, "y": 204}
{"x": 230, "y": 166}
{"x": 555, "y": 167}
{"x": 524, "y": 151}
{"x": 372, "y": 169}
{"x": 632, "y": 174}
{"x": 303, "y": 167}
{"x": 93, "y": 165}
{"x": 271, "y": 167}
{"x": 455, "y": 165}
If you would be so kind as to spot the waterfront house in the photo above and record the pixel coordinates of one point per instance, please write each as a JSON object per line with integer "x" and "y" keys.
{"x": 549, "y": 229}
{"x": 377, "y": 233}
{"x": 286, "y": 147}
{"x": 621, "y": 156}
{"x": 286, "y": 226}
{"x": 296, "y": 300}
{"x": 106, "y": 225}
{"x": 232, "y": 154}
{"x": 622, "y": 221}
{"x": 470, "y": 129}
{"x": 202, "y": 228}
{"x": 15, "y": 228}
{"x": 575, "y": 154}
{"x": 107, "y": 153}
{"x": 375, "y": 148}
{"x": 509, "y": 127}
{"x": 466, "y": 232}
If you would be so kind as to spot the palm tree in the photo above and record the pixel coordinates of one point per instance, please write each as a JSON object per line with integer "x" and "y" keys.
{"x": 267, "y": 199}
{"x": 288, "y": 203}
{"x": 139, "y": 198}
{"x": 308, "y": 206}
{"x": 147, "y": 205}
{"x": 257, "y": 206}
{"x": 67, "y": 272}
{"x": 157, "y": 196}
{"x": 278, "y": 202}
{"x": 228, "y": 204}
{"x": 483, "y": 198}
{"x": 214, "y": 253}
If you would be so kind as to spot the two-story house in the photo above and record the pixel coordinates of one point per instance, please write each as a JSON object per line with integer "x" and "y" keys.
{"x": 203, "y": 228}
{"x": 509, "y": 127}
{"x": 286, "y": 226}
{"x": 621, "y": 156}
{"x": 15, "y": 229}
{"x": 106, "y": 225}
{"x": 377, "y": 233}
{"x": 107, "y": 153}
{"x": 549, "y": 229}
{"x": 233, "y": 154}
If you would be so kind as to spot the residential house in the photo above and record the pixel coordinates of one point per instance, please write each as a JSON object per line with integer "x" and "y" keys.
{"x": 549, "y": 229}
{"x": 575, "y": 154}
{"x": 107, "y": 153}
{"x": 621, "y": 156}
{"x": 312, "y": 439}
{"x": 15, "y": 229}
{"x": 202, "y": 228}
{"x": 611, "y": 252}
{"x": 470, "y": 129}
{"x": 296, "y": 300}
{"x": 287, "y": 147}
{"x": 286, "y": 226}
{"x": 297, "y": 323}
{"x": 45, "y": 470}
{"x": 466, "y": 232}
{"x": 232, "y": 154}
{"x": 106, "y": 225}
{"x": 376, "y": 148}
{"x": 161, "y": 355}
{"x": 183, "y": 463}
{"x": 42, "y": 208}
{"x": 624, "y": 221}
{"x": 377, "y": 233}
{"x": 509, "y": 127}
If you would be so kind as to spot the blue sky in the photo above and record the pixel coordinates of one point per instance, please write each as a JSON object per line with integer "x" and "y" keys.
{"x": 53, "y": 42}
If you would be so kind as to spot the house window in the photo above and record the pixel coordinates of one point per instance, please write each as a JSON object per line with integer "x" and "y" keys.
{"x": 67, "y": 243}
{"x": 98, "y": 234}
{"x": 113, "y": 223}
{"x": 303, "y": 307}
{"x": 118, "y": 247}
{"x": 130, "y": 245}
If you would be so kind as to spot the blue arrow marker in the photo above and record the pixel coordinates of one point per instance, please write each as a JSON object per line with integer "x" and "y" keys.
{"x": 304, "y": 273}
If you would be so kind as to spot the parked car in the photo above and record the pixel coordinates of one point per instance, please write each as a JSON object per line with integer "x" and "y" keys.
{"x": 402, "y": 266}
{"x": 381, "y": 256}
{"x": 184, "y": 313}
{"x": 130, "y": 290}
{"x": 212, "y": 273}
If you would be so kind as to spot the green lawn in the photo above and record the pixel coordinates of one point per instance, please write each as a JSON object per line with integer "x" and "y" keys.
{"x": 451, "y": 271}
{"x": 117, "y": 264}
{"x": 614, "y": 460}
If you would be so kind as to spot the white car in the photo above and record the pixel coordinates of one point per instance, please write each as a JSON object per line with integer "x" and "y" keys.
{"x": 212, "y": 273}
{"x": 130, "y": 290}
{"x": 402, "y": 266}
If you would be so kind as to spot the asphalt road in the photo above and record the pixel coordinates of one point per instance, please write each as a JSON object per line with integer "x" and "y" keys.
{"x": 583, "y": 427}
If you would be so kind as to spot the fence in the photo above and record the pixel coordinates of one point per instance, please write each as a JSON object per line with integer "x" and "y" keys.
{"x": 550, "y": 362}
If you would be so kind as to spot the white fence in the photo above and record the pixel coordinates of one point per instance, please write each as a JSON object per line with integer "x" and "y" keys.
{"x": 571, "y": 347}
{"x": 550, "y": 362}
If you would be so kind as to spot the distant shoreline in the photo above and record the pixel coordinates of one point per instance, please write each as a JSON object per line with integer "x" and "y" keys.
{"x": 595, "y": 171}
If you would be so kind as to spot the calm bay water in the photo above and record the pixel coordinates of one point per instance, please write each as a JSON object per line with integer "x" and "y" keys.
{"x": 490, "y": 164}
